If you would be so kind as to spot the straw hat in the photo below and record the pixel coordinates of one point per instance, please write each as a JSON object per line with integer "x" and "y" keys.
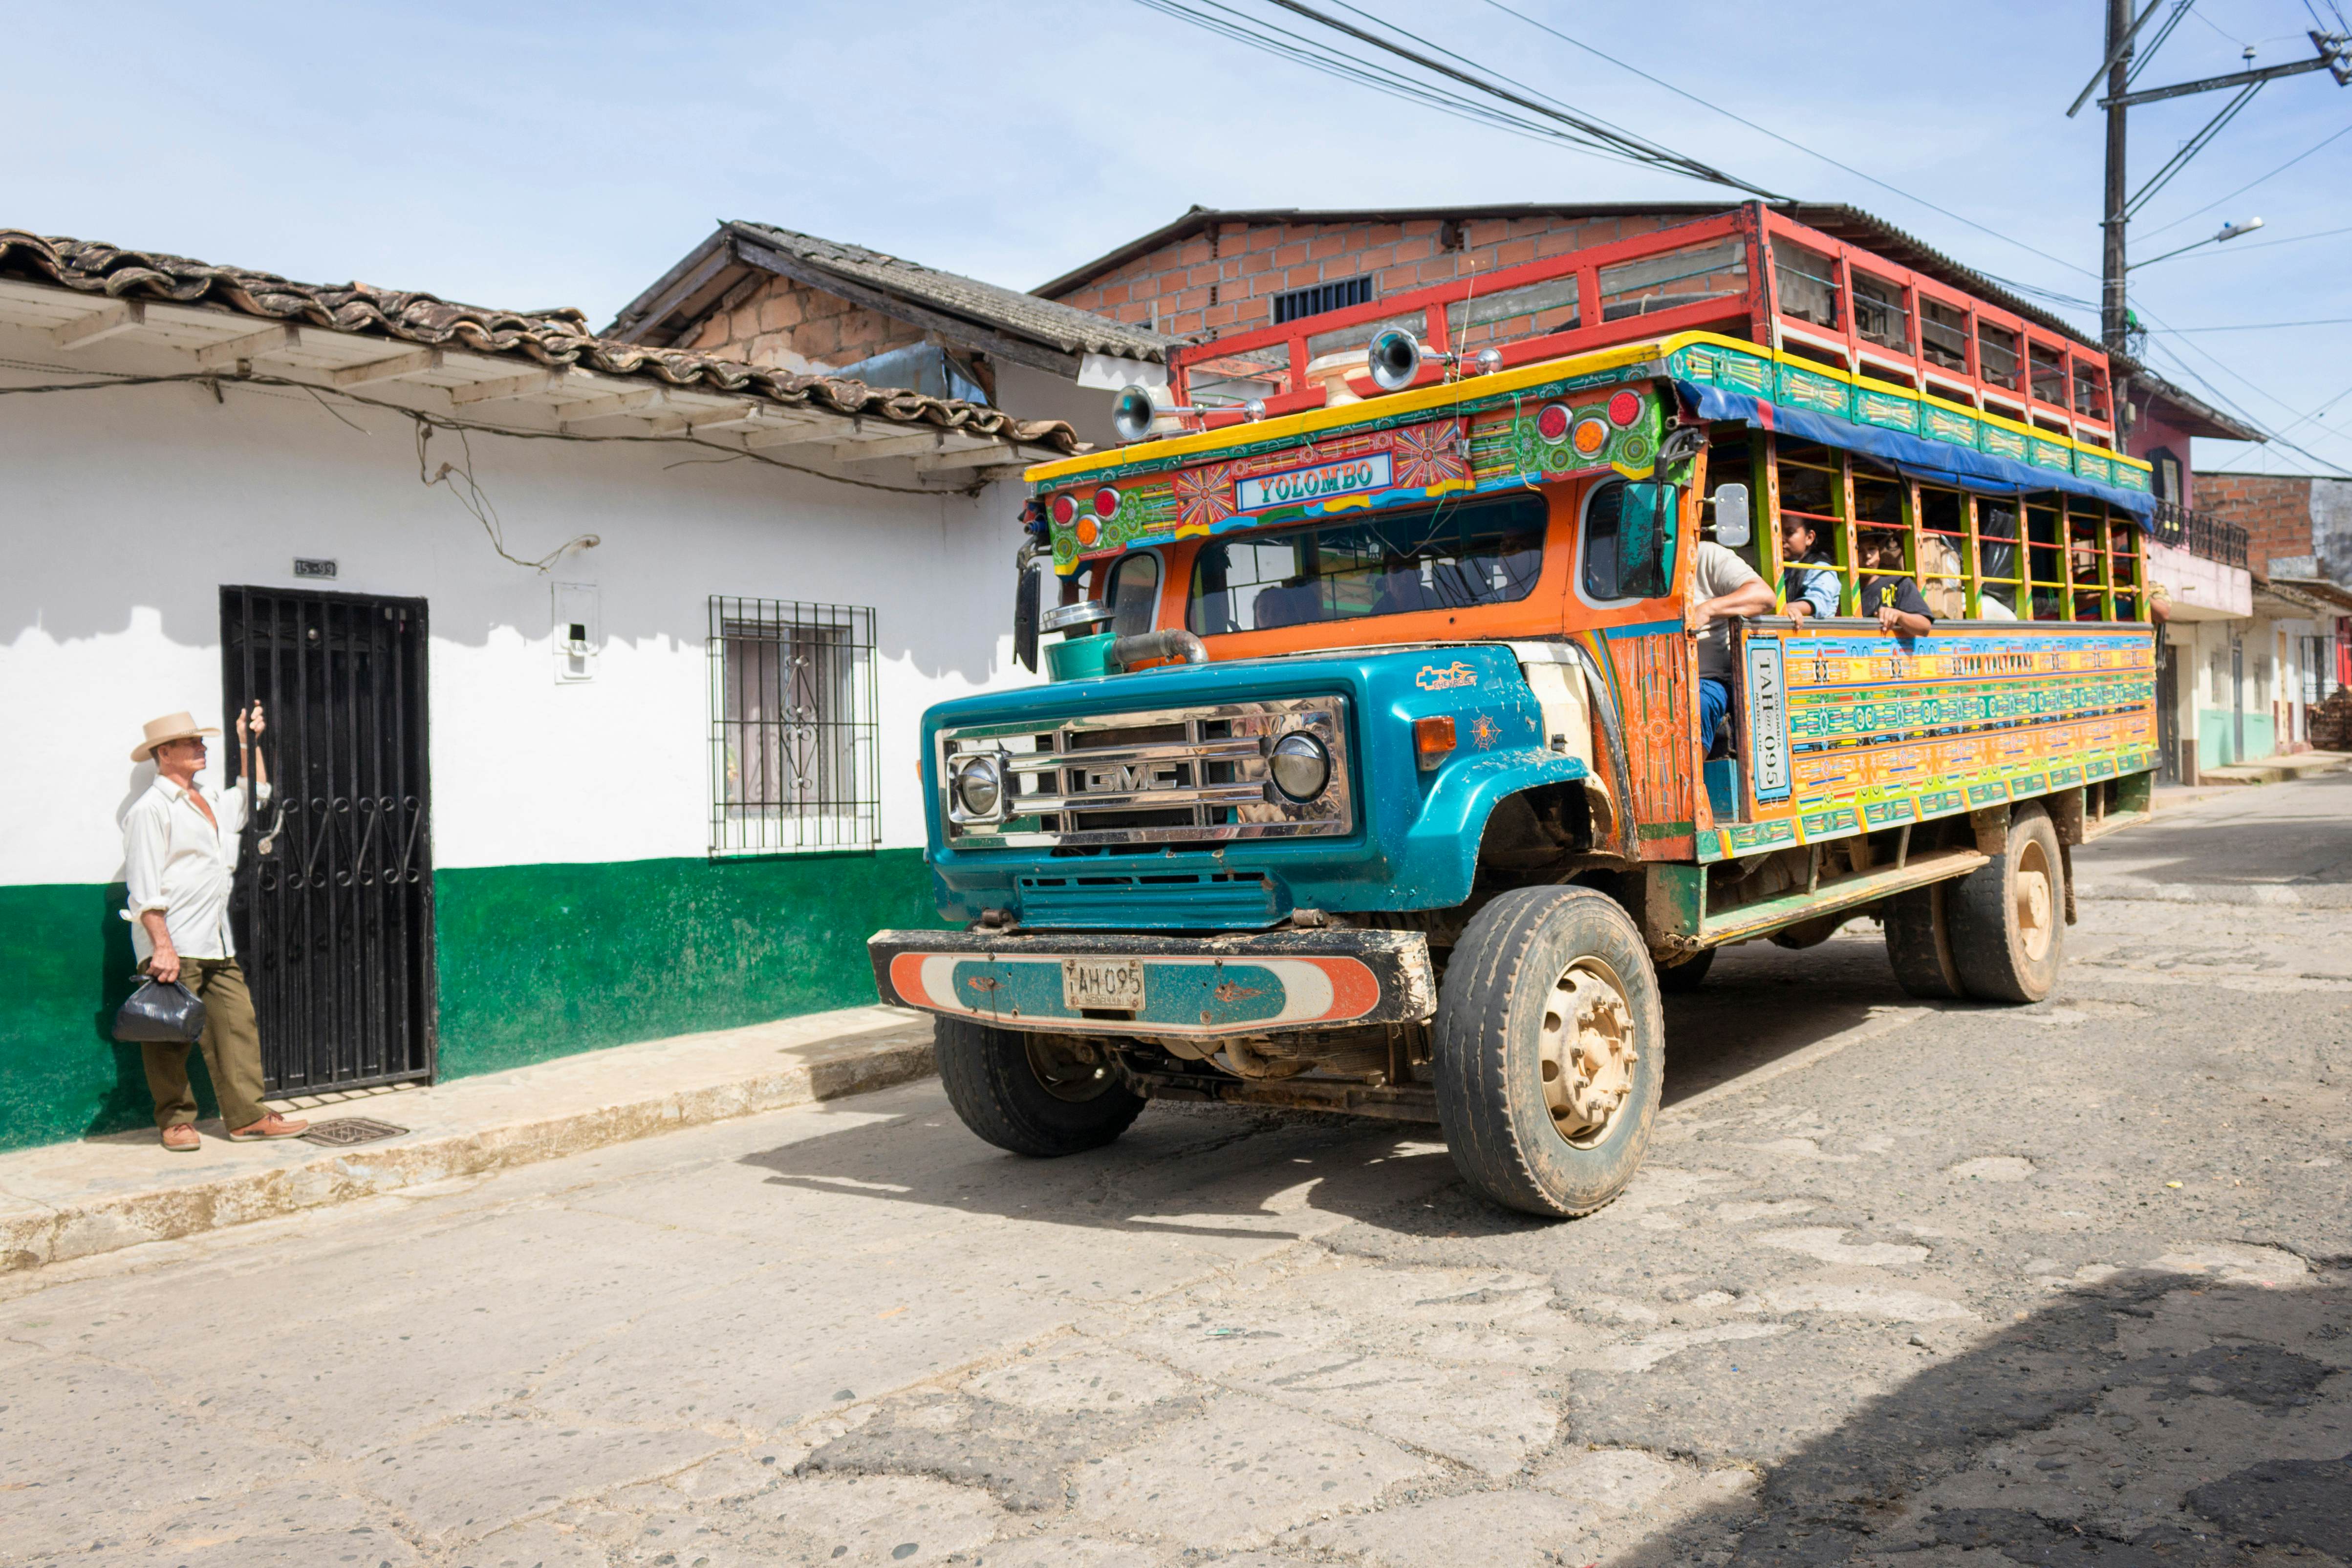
{"x": 170, "y": 727}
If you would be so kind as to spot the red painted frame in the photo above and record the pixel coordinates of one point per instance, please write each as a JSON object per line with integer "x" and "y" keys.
{"x": 1752, "y": 316}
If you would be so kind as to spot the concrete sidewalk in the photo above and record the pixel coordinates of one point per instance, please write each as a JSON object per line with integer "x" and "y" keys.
{"x": 70, "y": 1200}
{"x": 2281, "y": 769}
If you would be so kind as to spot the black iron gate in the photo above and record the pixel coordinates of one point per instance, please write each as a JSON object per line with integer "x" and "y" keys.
{"x": 333, "y": 906}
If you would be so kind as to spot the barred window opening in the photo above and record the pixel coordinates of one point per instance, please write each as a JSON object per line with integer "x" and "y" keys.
{"x": 794, "y": 731}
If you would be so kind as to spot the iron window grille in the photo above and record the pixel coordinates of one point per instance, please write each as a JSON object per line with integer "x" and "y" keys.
{"x": 794, "y": 731}
{"x": 1323, "y": 297}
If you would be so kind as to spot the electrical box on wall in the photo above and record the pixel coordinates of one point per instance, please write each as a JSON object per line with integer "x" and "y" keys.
{"x": 579, "y": 631}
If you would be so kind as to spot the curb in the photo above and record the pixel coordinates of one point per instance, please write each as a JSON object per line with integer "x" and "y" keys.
{"x": 33, "y": 1234}
{"x": 2267, "y": 895}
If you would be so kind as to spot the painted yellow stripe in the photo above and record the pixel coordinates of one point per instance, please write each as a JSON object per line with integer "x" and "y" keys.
{"x": 1452, "y": 394}
{"x": 1316, "y": 421}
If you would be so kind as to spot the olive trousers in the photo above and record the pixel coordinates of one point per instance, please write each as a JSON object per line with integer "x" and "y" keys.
{"x": 232, "y": 1046}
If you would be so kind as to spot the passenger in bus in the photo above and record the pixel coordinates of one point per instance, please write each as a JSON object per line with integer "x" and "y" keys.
{"x": 1894, "y": 600}
{"x": 1807, "y": 583}
{"x": 1724, "y": 588}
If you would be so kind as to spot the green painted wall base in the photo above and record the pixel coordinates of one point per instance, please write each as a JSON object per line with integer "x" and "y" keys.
{"x": 534, "y": 962}
{"x": 2216, "y": 744}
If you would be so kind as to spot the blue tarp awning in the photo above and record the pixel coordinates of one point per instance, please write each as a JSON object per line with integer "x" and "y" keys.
{"x": 1913, "y": 457}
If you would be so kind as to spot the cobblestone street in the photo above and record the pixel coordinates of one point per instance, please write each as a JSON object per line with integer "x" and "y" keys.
{"x": 2070, "y": 1282}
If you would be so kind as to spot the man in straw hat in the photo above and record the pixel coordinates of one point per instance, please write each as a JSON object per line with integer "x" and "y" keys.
{"x": 179, "y": 852}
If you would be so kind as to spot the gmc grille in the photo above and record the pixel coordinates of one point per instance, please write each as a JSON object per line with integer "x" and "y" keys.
{"x": 1176, "y": 776}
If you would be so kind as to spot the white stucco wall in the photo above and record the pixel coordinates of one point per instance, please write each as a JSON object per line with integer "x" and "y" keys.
{"x": 125, "y": 511}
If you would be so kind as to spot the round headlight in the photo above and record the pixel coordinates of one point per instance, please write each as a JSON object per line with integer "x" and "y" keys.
{"x": 1300, "y": 766}
{"x": 979, "y": 786}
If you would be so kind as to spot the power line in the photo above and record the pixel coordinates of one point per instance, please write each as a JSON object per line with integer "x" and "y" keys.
{"x": 2263, "y": 326}
{"x": 2249, "y": 184}
{"x": 2188, "y": 149}
{"x": 2267, "y": 244}
{"x": 1788, "y": 142}
{"x": 1666, "y": 157}
{"x": 1343, "y": 66}
{"x": 2278, "y": 437}
{"x": 1347, "y": 68}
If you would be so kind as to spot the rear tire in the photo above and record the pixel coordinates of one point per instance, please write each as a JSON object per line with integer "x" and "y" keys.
{"x": 1681, "y": 979}
{"x": 1031, "y": 1094}
{"x": 2008, "y": 925}
{"x": 1550, "y": 1050}
{"x": 1919, "y": 942}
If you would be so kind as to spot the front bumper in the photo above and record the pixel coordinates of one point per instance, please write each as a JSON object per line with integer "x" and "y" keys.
{"x": 1196, "y": 987}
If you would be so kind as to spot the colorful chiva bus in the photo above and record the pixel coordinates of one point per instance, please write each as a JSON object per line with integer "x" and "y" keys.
{"x": 1373, "y": 775}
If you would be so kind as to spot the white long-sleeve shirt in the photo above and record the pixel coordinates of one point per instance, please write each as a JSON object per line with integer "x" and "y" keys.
{"x": 176, "y": 861}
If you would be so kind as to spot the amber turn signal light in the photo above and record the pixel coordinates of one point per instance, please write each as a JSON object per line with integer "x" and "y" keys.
{"x": 1433, "y": 740}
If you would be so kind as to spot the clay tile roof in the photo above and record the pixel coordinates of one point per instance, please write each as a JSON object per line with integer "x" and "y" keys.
{"x": 1063, "y": 327}
{"x": 557, "y": 339}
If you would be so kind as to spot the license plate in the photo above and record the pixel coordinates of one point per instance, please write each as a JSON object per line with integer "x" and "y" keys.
{"x": 1114, "y": 985}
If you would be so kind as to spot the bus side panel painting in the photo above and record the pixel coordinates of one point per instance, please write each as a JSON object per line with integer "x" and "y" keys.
{"x": 1883, "y": 731}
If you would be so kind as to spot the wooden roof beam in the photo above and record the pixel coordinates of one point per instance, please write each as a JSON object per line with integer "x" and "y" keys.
{"x": 110, "y": 319}
{"x": 396, "y": 367}
{"x": 281, "y": 338}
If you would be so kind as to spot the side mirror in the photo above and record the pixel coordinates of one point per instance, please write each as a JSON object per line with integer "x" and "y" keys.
{"x": 1731, "y": 527}
{"x": 1024, "y": 618}
{"x": 1645, "y": 537}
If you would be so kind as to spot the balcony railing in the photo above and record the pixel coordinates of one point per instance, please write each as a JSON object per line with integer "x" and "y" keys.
{"x": 2199, "y": 533}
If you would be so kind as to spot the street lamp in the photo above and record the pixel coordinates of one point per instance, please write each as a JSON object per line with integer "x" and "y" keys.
{"x": 2229, "y": 231}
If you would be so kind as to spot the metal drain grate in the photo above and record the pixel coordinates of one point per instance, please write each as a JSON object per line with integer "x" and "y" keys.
{"x": 349, "y": 1130}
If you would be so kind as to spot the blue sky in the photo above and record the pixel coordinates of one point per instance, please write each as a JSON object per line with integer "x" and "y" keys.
{"x": 534, "y": 155}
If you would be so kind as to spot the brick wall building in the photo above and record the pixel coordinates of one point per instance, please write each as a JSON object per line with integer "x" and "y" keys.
{"x": 773, "y": 295}
{"x": 1220, "y": 272}
{"x": 768, "y": 320}
{"x": 2273, "y": 508}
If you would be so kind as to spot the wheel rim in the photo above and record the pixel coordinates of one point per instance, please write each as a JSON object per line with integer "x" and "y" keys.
{"x": 1588, "y": 1053}
{"x": 1071, "y": 1070}
{"x": 2035, "y": 895}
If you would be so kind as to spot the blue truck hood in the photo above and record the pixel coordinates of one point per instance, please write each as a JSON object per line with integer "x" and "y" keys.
{"x": 1414, "y": 841}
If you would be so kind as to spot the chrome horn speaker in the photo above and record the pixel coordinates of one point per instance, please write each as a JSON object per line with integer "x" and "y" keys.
{"x": 1132, "y": 413}
{"x": 1394, "y": 359}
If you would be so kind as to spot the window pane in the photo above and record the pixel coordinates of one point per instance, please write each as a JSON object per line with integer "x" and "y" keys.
{"x": 1879, "y": 316}
{"x": 1240, "y": 375}
{"x": 1359, "y": 335}
{"x": 1527, "y": 312}
{"x": 1134, "y": 593}
{"x": 1807, "y": 283}
{"x": 1997, "y": 353}
{"x": 2048, "y": 373}
{"x": 1943, "y": 335}
{"x": 1489, "y": 552}
{"x": 1617, "y": 566}
{"x": 1685, "y": 276}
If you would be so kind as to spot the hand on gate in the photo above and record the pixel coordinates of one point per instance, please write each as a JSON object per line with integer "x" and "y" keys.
{"x": 250, "y": 724}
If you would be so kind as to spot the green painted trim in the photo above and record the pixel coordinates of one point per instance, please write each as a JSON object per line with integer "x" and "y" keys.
{"x": 61, "y": 1073}
{"x": 539, "y": 961}
{"x": 535, "y": 962}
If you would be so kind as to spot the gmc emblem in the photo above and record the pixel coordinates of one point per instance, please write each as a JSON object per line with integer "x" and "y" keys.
{"x": 1130, "y": 778}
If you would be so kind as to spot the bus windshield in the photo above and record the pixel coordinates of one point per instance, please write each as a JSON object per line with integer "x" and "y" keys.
{"x": 1449, "y": 557}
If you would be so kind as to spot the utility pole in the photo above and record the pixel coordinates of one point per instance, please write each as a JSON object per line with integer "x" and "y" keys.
{"x": 2111, "y": 313}
{"x": 2330, "y": 53}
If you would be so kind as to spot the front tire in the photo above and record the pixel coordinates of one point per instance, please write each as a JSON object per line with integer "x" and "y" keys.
{"x": 1034, "y": 1095}
{"x": 2009, "y": 932}
{"x": 1550, "y": 1050}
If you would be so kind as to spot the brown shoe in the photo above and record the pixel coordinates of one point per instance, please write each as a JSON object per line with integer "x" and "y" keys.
{"x": 270, "y": 1126}
{"x": 182, "y": 1139}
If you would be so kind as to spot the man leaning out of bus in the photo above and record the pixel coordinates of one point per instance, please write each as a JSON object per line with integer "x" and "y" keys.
{"x": 1808, "y": 581}
{"x": 1724, "y": 588}
{"x": 1894, "y": 599}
